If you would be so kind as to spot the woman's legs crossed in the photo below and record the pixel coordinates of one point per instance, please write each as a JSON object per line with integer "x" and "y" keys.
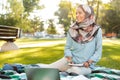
{"x": 79, "y": 70}
{"x": 61, "y": 64}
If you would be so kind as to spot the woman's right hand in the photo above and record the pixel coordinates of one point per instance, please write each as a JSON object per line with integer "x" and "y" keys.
{"x": 69, "y": 59}
{"x": 86, "y": 64}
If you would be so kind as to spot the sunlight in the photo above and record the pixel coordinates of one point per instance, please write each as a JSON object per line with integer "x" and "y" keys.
{"x": 14, "y": 54}
{"x": 48, "y": 12}
{"x": 15, "y": 59}
{"x": 116, "y": 57}
{"x": 52, "y": 5}
{"x": 105, "y": 1}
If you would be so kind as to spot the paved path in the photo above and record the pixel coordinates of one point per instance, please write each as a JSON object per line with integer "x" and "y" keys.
{"x": 42, "y": 44}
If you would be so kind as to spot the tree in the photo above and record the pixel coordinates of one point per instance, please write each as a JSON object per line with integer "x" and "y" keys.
{"x": 116, "y": 21}
{"x": 95, "y": 4}
{"x": 41, "y": 26}
{"x": 13, "y": 15}
{"x": 17, "y": 13}
{"x": 51, "y": 27}
{"x": 30, "y": 5}
{"x": 63, "y": 12}
{"x": 35, "y": 24}
{"x": 111, "y": 18}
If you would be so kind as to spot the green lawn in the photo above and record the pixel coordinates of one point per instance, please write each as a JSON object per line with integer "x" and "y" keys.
{"x": 51, "y": 53}
{"x": 32, "y": 55}
{"x": 111, "y": 54}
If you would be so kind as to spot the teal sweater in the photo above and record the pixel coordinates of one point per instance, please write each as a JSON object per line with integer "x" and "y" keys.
{"x": 84, "y": 52}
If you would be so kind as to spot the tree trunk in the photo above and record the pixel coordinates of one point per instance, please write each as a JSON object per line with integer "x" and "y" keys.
{"x": 97, "y": 13}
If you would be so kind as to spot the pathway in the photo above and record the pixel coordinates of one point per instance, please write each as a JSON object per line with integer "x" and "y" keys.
{"x": 43, "y": 44}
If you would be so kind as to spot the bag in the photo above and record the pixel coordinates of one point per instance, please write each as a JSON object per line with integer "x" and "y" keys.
{"x": 16, "y": 67}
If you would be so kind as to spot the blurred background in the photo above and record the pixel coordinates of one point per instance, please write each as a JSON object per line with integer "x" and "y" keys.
{"x": 51, "y": 18}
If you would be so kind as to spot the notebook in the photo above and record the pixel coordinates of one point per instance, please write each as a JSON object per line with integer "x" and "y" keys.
{"x": 76, "y": 65}
{"x": 42, "y": 74}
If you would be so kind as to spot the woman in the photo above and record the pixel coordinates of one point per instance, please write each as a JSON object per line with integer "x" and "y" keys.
{"x": 83, "y": 44}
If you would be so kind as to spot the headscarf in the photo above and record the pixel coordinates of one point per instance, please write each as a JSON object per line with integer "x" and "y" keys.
{"x": 86, "y": 30}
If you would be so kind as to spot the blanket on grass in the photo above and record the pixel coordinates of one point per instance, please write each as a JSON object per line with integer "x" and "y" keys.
{"x": 16, "y": 72}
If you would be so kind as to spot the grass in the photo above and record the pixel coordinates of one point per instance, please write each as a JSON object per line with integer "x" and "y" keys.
{"x": 111, "y": 54}
{"x": 33, "y": 55}
{"x": 50, "y": 53}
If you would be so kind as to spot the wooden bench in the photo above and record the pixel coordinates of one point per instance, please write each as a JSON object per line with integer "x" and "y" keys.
{"x": 9, "y": 34}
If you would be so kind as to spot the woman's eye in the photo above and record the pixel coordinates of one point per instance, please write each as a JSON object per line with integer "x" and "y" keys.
{"x": 80, "y": 12}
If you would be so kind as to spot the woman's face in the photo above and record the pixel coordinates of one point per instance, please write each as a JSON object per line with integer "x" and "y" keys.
{"x": 80, "y": 15}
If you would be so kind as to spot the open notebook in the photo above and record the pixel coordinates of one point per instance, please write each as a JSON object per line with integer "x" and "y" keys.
{"x": 42, "y": 74}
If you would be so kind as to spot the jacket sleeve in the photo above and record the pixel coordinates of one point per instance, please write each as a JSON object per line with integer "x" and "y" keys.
{"x": 67, "y": 50}
{"x": 98, "y": 51}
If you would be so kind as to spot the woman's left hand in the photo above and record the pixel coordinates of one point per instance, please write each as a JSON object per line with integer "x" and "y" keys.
{"x": 87, "y": 63}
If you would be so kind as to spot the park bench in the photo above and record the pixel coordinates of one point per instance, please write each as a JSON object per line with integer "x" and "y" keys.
{"x": 9, "y": 34}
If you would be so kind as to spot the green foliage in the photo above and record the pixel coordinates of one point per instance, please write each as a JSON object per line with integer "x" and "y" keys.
{"x": 41, "y": 28}
{"x": 116, "y": 20}
{"x": 17, "y": 13}
{"x": 110, "y": 19}
{"x": 51, "y": 28}
{"x": 7, "y": 21}
{"x": 92, "y": 2}
{"x": 14, "y": 15}
{"x": 35, "y": 24}
{"x": 63, "y": 13}
{"x": 25, "y": 25}
{"x": 30, "y": 5}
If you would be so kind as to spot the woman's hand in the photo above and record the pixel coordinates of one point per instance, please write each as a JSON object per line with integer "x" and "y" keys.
{"x": 69, "y": 59}
{"x": 87, "y": 63}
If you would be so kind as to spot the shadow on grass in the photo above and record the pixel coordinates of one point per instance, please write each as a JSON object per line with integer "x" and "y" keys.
{"x": 110, "y": 56}
{"x": 33, "y": 55}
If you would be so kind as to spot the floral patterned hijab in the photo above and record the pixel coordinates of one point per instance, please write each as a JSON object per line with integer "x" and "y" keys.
{"x": 84, "y": 31}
